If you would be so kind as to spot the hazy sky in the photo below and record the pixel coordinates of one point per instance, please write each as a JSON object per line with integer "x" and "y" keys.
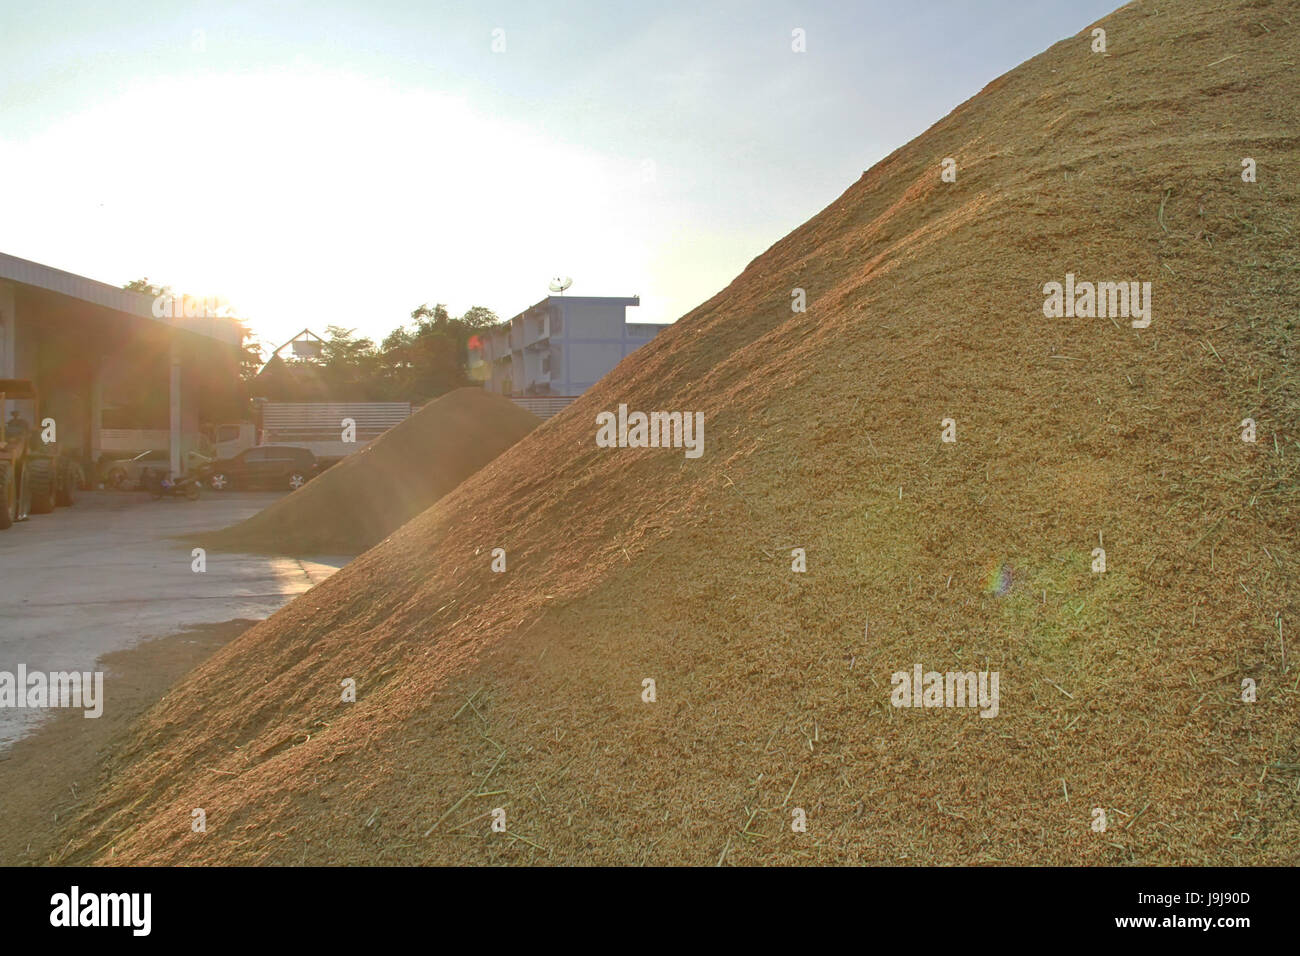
{"x": 341, "y": 163}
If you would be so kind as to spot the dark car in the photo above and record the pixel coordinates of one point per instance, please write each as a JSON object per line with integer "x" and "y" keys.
{"x": 266, "y": 466}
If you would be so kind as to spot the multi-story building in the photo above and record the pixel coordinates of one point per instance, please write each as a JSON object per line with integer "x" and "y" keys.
{"x": 559, "y": 347}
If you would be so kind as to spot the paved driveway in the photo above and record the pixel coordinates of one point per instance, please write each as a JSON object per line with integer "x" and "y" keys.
{"x": 115, "y": 570}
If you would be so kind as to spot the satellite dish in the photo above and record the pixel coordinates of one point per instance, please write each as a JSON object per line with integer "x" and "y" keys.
{"x": 559, "y": 284}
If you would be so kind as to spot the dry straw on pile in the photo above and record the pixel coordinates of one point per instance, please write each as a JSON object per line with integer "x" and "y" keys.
{"x": 522, "y": 690}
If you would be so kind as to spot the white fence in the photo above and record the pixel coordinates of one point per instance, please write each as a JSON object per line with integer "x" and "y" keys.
{"x": 544, "y": 406}
{"x": 323, "y": 421}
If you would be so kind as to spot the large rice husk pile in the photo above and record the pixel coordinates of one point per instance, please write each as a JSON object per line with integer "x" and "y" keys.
{"x": 1120, "y": 691}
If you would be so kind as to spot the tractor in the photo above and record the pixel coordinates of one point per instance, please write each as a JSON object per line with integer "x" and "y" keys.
{"x": 34, "y": 476}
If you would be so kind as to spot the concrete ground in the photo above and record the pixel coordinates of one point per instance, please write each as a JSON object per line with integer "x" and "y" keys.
{"x": 115, "y": 570}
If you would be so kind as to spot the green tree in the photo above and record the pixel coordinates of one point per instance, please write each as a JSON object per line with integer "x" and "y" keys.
{"x": 145, "y": 287}
{"x": 350, "y": 366}
{"x": 479, "y": 318}
{"x": 429, "y": 358}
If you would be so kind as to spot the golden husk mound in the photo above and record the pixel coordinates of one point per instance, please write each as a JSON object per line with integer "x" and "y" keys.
{"x": 1123, "y": 691}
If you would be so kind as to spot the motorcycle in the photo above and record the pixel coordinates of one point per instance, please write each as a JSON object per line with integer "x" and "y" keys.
{"x": 160, "y": 486}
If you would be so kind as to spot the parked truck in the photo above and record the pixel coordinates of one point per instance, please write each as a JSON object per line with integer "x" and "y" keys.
{"x": 34, "y": 476}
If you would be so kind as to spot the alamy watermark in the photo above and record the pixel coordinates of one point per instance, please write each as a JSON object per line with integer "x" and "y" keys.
{"x": 1102, "y": 300}
{"x": 653, "y": 430}
{"x": 190, "y": 307}
{"x": 923, "y": 688}
{"x": 38, "y": 690}
{"x": 75, "y": 908}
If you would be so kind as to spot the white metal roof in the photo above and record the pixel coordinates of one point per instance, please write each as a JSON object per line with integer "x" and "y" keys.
{"x": 135, "y": 304}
